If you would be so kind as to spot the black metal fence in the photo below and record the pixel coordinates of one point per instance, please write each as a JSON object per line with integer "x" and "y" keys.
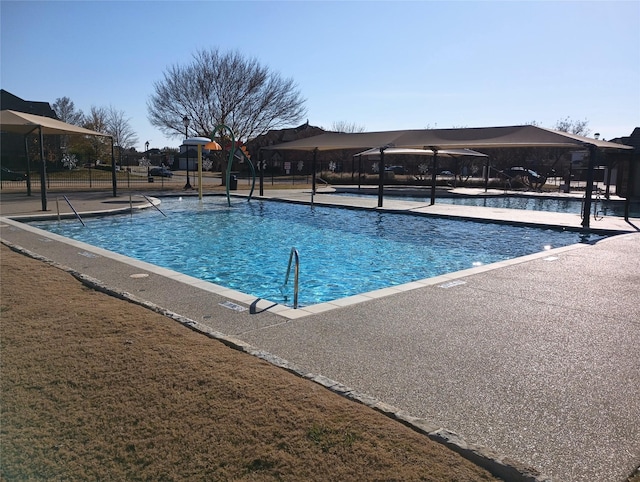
{"x": 90, "y": 179}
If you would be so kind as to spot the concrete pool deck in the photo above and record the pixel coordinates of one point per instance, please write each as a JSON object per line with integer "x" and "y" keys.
{"x": 535, "y": 359}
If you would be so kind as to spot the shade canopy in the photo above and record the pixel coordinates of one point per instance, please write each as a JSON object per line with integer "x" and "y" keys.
{"x": 472, "y": 138}
{"x": 422, "y": 152}
{"x": 197, "y": 141}
{"x": 21, "y": 123}
{"x": 338, "y": 140}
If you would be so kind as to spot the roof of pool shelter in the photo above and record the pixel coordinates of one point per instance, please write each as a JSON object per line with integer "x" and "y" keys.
{"x": 467, "y": 138}
{"x": 22, "y": 123}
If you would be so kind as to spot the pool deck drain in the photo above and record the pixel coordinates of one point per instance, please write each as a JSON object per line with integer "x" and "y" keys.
{"x": 535, "y": 359}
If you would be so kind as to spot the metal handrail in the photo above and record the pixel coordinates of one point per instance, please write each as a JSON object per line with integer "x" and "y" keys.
{"x": 72, "y": 208}
{"x": 598, "y": 215}
{"x": 151, "y": 202}
{"x": 292, "y": 254}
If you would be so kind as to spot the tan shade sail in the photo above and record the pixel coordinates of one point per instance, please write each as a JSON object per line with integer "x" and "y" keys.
{"x": 492, "y": 137}
{"x": 337, "y": 140}
{"x": 472, "y": 138}
{"x": 21, "y": 123}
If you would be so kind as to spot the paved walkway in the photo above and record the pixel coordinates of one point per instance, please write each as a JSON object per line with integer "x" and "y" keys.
{"x": 536, "y": 359}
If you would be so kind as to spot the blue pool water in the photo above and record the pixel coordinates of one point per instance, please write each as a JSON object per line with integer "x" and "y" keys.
{"x": 342, "y": 252}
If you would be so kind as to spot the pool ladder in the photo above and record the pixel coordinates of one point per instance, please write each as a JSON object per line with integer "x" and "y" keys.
{"x": 292, "y": 255}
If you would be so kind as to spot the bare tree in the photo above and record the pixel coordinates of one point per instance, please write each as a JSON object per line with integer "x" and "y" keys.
{"x": 573, "y": 126}
{"x": 117, "y": 126}
{"x": 96, "y": 120}
{"x": 228, "y": 89}
{"x": 346, "y": 127}
{"x": 66, "y": 111}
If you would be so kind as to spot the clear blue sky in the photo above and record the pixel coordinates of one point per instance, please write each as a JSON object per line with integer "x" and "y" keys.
{"x": 379, "y": 65}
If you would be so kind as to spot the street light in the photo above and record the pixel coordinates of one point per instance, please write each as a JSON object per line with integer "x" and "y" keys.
{"x": 185, "y": 121}
{"x": 146, "y": 148}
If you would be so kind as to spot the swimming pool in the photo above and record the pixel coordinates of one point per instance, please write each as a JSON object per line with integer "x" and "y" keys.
{"x": 343, "y": 252}
{"x": 557, "y": 205}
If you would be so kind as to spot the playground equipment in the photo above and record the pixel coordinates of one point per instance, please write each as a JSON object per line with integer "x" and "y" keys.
{"x": 220, "y": 128}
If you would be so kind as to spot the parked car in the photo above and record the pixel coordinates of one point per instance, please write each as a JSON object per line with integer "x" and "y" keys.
{"x": 396, "y": 169}
{"x": 160, "y": 171}
{"x": 446, "y": 173}
{"x": 9, "y": 175}
{"x": 523, "y": 172}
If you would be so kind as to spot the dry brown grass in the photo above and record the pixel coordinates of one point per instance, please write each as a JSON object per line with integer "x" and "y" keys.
{"x": 95, "y": 388}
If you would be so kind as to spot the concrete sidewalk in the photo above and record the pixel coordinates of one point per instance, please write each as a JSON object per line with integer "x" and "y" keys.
{"x": 21, "y": 206}
{"x": 535, "y": 359}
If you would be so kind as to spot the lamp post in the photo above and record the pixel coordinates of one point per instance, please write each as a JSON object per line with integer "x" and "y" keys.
{"x": 146, "y": 153}
{"x": 185, "y": 121}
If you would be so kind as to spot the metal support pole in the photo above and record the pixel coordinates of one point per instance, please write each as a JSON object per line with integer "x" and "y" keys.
{"x": 313, "y": 173}
{"x": 353, "y": 168}
{"x": 114, "y": 181}
{"x": 199, "y": 171}
{"x": 607, "y": 192}
{"x": 586, "y": 209}
{"x": 230, "y": 164}
{"x": 43, "y": 172}
{"x": 434, "y": 167}
{"x": 186, "y": 136}
{"x": 26, "y": 153}
{"x": 487, "y": 168}
{"x": 633, "y": 159}
{"x": 381, "y": 177}
{"x": 262, "y": 164}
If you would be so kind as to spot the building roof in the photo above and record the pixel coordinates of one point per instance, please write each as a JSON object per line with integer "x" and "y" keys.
{"x": 632, "y": 140}
{"x": 9, "y": 101}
